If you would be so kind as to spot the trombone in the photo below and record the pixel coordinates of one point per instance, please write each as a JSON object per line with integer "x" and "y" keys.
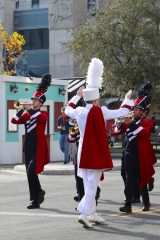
{"x": 20, "y": 105}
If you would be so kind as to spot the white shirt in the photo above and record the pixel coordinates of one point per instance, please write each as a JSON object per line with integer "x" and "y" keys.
{"x": 81, "y": 113}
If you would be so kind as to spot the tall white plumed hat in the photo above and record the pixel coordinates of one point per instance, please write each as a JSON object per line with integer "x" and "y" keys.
{"x": 94, "y": 80}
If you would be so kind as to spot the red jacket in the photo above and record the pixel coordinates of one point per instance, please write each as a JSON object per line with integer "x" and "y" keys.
{"x": 42, "y": 155}
{"x": 146, "y": 153}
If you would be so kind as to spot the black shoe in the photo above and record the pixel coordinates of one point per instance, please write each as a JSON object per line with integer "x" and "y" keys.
{"x": 65, "y": 162}
{"x": 41, "y": 197}
{"x": 136, "y": 200}
{"x": 76, "y": 198}
{"x": 126, "y": 209}
{"x": 33, "y": 205}
{"x": 151, "y": 185}
{"x": 146, "y": 208}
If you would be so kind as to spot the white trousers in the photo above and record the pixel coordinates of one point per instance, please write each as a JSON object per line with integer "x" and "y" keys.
{"x": 91, "y": 179}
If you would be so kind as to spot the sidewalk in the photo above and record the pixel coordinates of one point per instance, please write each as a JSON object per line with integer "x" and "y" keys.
{"x": 54, "y": 168}
{"x": 59, "y": 168}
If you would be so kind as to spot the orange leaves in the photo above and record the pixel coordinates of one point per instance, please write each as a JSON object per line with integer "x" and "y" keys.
{"x": 13, "y": 45}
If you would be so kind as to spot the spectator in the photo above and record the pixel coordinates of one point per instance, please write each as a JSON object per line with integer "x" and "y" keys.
{"x": 63, "y": 125}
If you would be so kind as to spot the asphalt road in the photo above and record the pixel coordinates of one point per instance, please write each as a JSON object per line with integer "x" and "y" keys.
{"x": 57, "y": 218}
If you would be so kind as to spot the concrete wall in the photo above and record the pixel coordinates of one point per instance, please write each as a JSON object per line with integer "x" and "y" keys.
{"x": 64, "y": 16}
{"x": 27, "y": 4}
{"x": 9, "y": 7}
{"x": 1, "y": 21}
{"x": 1, "y": 11}
{"x": 6, "y": 18}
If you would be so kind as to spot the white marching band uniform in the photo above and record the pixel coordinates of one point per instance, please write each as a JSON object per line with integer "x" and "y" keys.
{"x": 93, "y": 158}
{"x": 91, "y": 177}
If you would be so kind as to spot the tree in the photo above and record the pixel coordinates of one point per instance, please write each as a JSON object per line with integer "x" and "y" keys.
{"x": 126, "y": 37}
{"x": 12, "y": 47}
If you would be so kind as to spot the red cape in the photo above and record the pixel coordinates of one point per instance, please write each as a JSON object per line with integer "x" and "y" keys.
{"x": 42, "y": 154}
{"x": 95, "y": 150}
{"x": 146, "y": 153}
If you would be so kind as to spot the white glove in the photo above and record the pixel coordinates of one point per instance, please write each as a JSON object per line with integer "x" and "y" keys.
{"x": 128, "y": 94}
{"x": 80, "y": 91}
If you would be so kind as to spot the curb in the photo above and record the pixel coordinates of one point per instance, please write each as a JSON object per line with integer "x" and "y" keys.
{"x": 51, "y": 169}
{"x": 57, "y": 169}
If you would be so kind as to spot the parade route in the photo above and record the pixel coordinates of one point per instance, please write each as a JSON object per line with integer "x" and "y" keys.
{"x": 136, "y": 217}
{"x": 57, "y": 218}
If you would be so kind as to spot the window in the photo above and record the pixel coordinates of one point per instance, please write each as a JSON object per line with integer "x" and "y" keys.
{"x": 17, "y": 4}
{"x": 91, "y": 4}
{"x": 35, "y": 4}
{"x": 36, "y": 38}
{"x": 92, "y": 7}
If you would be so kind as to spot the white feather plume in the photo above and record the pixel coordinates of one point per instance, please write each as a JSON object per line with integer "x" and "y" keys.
{"x": 94, "y": 75}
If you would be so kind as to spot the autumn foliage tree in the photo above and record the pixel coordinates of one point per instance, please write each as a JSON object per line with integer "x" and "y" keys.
{"x": 12, "y": 48}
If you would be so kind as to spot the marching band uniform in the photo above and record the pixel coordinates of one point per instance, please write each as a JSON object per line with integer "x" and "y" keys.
{"x": 74, "y": 138}
{"x": 93, "y": 151}
{"x": 35, "y": 145}
{"x": 139, "y": 157}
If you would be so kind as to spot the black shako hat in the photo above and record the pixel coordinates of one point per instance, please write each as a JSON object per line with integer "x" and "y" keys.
{"x": 144, "y": 97}
{"x": 42, "y": 88}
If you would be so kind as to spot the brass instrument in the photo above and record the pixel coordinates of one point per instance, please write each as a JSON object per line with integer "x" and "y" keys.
{"x": 125, "y": 119}
{"x": 129, "y": 117}
{"x": 74, "y": 129}
{"x": 20, "y": 105}
{"x": 72, "y": 121}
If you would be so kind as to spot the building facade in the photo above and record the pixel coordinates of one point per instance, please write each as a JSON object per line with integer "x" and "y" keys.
{"x": 21, "y": 89}
{"x": 47, "y": 26}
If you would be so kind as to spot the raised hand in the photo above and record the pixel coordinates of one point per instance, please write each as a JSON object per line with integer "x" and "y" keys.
{"x": 128, "y": 94}
{"x": 80, "y": 92}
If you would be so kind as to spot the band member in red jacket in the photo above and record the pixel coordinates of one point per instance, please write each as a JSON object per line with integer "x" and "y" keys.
{"x": 35, "y": 145}
{"x": 139, "y": 156}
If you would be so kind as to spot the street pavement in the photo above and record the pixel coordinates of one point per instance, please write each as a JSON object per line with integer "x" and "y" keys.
{"x": 57, "y": 218}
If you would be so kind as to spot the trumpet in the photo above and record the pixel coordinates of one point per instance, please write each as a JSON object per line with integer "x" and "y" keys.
{"x": 20, "y": 105}
{"x": 125, "y": 119}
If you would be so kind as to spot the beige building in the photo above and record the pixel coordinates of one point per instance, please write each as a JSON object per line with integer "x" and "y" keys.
{"x": 47, "y": 26}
